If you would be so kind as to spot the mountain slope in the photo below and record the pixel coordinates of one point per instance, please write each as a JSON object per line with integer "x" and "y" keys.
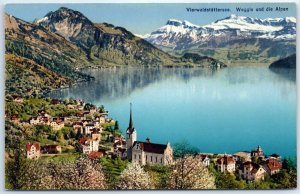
{"x": 232, "y": 39}
{"x": 288, "y": 62}
{"x": 36, "y": 48}
{"x": 25, "y": 77}
{"x": 105, "y": 44}
{"x": 45, "y": 48}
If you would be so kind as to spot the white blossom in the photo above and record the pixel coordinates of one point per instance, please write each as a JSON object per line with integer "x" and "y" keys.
{"x": 189, "y": 173}
{"x": 134, "y": 177}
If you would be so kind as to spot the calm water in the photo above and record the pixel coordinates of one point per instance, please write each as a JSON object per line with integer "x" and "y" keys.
{"x": 226, "y": 110}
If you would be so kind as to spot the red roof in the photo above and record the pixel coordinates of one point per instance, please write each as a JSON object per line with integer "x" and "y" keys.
{"x": 78, "y": 123}
{"x": 252, "y": 165}
{"x": 83, "y": 140}
{"x": 36, "y": 145}
{"x": 80, "y": 114}
{"x": 225, "y": 160}
{"x": 152, "y": 147}
{"x": 273, "y": 164}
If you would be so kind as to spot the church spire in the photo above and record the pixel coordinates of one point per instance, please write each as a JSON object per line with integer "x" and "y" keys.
{"x": 130, "y": 119}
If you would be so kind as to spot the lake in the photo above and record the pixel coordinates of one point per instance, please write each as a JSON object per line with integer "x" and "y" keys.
{"x": 220, "y": 111}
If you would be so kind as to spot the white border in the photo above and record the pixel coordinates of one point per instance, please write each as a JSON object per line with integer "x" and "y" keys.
{"x": 2, "y": 62}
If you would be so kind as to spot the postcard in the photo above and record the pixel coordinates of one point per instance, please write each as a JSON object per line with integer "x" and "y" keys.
{"x": 185, "y": 96}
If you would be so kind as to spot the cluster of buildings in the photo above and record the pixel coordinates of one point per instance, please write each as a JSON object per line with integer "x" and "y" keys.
{"x": 143, "y": 152}
{"x": 250, "y": 166}
{"x": 87, "y": 122}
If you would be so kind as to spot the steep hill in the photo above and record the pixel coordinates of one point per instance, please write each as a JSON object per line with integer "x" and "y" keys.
{"x": 26, "y": 77}
{"x": 105, "y": 44}
{"x": 45, "y": 48}
{"x": 288, "y": 62}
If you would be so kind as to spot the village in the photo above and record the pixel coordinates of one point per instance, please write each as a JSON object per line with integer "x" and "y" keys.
{"x": 91, "y": 126}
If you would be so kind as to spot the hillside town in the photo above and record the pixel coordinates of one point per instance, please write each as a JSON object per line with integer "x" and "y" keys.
{"x": 89, "y": 124}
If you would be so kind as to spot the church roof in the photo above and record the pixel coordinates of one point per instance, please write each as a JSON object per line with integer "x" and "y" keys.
{"x": 151, "y": 147}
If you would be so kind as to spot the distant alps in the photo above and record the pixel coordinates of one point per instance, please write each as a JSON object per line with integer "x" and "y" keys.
{"x": 237, "y": 39}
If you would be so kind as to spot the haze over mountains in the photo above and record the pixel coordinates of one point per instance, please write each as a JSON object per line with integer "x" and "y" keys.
{"x": 232, "y": 39}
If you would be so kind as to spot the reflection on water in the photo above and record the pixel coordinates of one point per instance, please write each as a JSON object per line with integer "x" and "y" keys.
{"x": 116, "y": 83}
{"x": 121, "y": 82}
{"x": 217, "y": 110}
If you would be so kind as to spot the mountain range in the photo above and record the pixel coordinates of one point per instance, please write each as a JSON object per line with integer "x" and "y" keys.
{"x": 231, "y": 39}
{"x": 65, "y": 40}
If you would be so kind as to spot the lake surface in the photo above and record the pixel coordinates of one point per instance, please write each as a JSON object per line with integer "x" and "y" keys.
{"x": 225, "y": 110}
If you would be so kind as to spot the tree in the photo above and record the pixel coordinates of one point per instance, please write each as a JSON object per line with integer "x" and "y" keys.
{"x": 59, "y": 136}
{"x": 188, "y": 172}
{"x": 159, "y": 175}
{"x": 116, "y": 128}
{"x": 134, "y": 177}
{"x": 78, "y": 135}
{"x": 183, "y": 148}
{"x": 15, "y": 168}
{"x": 101, "y": 109}
{"x": 228, "y": 181}
{"x": 82, "y": 173}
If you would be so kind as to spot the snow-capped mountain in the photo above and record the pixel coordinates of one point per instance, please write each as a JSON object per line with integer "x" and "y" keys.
{"x": 183, "y": 34}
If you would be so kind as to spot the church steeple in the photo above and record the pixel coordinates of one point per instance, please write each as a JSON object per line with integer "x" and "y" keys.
{"x": 130, "y": 136}
{"x": 130, "y": 119}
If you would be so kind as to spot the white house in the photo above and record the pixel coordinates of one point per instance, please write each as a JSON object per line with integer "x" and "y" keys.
{"x": 252, "y": 171}
{"x": 33, "y": 151}
{"x": 89, "y": 145}
{"x": 226, "y": 164}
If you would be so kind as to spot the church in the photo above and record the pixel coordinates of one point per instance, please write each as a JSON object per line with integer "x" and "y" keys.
{"x": 145, "y": 152}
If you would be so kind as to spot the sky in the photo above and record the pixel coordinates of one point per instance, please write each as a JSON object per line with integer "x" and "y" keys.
{"x": 145, "y": 18}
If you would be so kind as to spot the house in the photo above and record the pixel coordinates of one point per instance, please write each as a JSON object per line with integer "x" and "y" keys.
{"x": 100, "y": 119}
{"x": 85, "y": 122}
{"x": 56, "y": 101}
{"x": 226, "y": 164}
{"x": 71, "y": 106}
{"x": 204, "y": 159}
{"x": 146, "y": 152}
{"x": 120, "y": 147}
{"x": 120, "y": 152}
{"x": 33, "y": 151}
{"x": 18, "y": 99}
{"x": 44, "y": 120}
{"x": 88, "y": 128}
{"x": 119, "y": 142}
{"x": 278, "y": 157}
{"x": 57, "y": 123}
{"x": 78, "y": 126}
{"x": 88, "y": 145}
{"x": 252, "y": 171}
{"x": 272, "y": 166}
{"x": 43, "y": 113}
{"x": 80, "y": 115}
{"x": 96, "y": 134}
{"x": 52, "y": 149}
{"x": 242, "y": 157}
{"x": 34, "y": 121}
{"x": 109, "y": 120}
{"x": 257, "y": 153}
{"x": 15, "y": 118}
{"x": 93, "y": 109}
